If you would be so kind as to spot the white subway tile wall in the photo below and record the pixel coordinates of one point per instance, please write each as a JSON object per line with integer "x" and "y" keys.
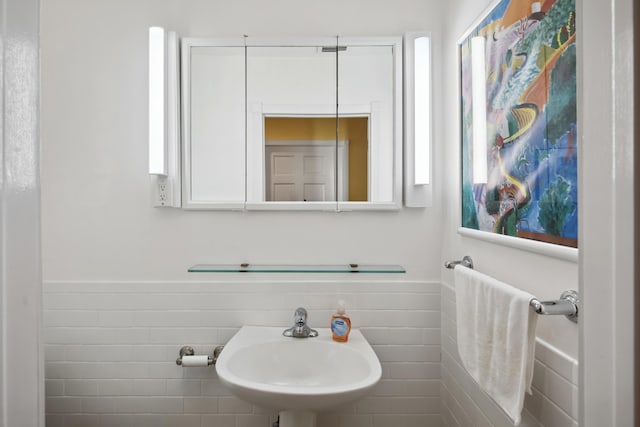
{"x": 554, "y": 402}
{"x": 110, "y": 350}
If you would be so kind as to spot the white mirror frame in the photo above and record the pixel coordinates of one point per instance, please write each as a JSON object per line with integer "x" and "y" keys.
{"x": 254, "y": 172}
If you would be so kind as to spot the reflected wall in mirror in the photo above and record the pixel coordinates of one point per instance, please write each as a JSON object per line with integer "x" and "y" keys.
{"x": 366, "y": 83}
{"x": 300, "y": 159}
{"x": 291, "y": 81}
{"x": 214, "y": 115}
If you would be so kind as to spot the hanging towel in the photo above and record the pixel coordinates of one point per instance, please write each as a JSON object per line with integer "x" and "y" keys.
{"x": 496, "y": 337}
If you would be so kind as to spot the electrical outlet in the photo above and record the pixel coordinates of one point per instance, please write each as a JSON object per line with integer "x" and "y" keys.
{"x": 162, "y": 192}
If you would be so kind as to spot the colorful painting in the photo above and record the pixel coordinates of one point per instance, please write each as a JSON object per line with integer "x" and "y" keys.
{"x": 531, "y": 188}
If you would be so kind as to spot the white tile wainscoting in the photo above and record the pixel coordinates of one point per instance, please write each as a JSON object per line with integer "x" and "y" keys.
{"x": 554, "y": 402}
{"x": 110, "y": 349}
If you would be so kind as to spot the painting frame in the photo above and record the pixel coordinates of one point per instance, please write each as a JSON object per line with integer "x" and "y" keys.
{"x": 529, "y": 197}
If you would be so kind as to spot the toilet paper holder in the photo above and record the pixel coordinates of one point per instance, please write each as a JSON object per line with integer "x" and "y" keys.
{"x": 189, "y": 351}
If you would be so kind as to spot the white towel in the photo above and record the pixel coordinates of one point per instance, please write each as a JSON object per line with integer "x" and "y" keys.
{"x": 496, "y": 337}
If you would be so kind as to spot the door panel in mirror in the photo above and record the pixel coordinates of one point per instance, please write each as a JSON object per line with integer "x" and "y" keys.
{"x": 215, "y": 126}
{"x": 300, "y": 171}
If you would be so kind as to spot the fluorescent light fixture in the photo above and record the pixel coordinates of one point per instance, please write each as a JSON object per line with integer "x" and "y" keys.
{"x": 417, "y": 188}
{"x": 157, "y": 101}
{"x": 421, "y": 110}
{"x": 479, "y": 109}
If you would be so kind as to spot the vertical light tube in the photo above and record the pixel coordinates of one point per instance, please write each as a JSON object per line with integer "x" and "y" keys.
{"x": 422, "y": 113}
{"x": 157, "y": 101}
{"x": 479, "y": 109}
{"x": 172, "y": 105}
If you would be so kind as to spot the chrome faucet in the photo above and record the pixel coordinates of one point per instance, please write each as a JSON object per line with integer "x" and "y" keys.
{"x": 300, "y": 329}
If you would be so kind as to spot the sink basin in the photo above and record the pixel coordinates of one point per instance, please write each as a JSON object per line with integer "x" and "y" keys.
{"x": 297, "y": 375}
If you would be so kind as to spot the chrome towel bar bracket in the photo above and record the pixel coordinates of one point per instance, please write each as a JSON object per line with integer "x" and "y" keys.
{"x": 567, "y": 305}
{"x": 466, "y": 262}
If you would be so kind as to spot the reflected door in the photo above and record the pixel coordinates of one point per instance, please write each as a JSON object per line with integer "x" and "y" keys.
{"x": 304, "y": 172}
{"x": 300, "y": 174}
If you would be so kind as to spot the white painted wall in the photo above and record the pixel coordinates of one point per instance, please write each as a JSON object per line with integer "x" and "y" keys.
{"x": 96, "y": 193}
{"x": 21, "y": 361}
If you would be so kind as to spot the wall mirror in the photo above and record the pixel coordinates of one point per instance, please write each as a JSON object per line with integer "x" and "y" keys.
{"x": 305, "y": 124}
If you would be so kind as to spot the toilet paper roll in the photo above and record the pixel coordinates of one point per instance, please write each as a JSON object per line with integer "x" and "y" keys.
{"x": 193, "y": 361}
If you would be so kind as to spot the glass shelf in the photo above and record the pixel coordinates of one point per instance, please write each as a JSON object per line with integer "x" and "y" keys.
{"x": 296, "y": 268}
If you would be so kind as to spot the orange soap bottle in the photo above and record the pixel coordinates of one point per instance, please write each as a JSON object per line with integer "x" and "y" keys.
{"x": 340, "y": 324}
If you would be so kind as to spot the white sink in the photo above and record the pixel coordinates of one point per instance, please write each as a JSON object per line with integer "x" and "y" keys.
{"x": 297, "y": 376}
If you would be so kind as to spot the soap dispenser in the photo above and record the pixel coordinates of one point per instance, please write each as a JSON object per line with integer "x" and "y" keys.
{"x": 340, "y": 324}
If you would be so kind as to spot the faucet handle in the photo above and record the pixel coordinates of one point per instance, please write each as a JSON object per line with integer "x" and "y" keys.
{"x": 300, "y": 329}
{"x": 300, "y": 316}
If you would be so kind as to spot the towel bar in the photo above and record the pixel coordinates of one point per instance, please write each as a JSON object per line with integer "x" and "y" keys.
{"x": 567, "y": 305}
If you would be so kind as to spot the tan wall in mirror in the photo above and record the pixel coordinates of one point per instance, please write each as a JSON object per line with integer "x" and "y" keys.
{"x": 354, "y": 129}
